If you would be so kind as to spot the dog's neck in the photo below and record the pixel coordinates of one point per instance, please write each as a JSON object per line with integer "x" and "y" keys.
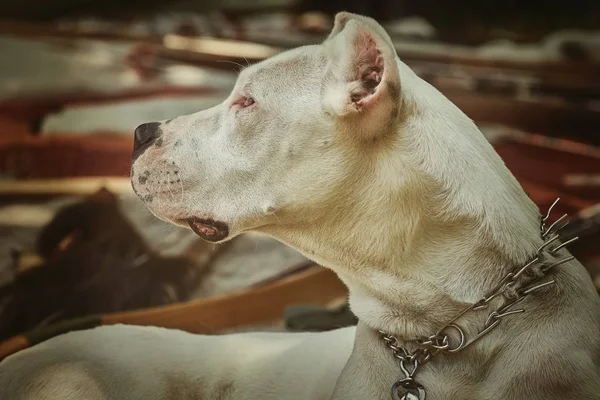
{"x": 442, "y": 222}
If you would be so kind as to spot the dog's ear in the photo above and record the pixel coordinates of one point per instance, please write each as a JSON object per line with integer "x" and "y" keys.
{"x": 362, "y": 85}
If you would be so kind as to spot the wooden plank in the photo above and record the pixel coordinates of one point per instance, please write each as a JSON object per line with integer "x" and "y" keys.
{"x": 447, "y": 55}
{"x": 265, "y": 304}
{"x": 62, "y": 156}
{"x": 553, "y": 119}
{"x": 13, "y": 345}
{"x": 261, "y": 305}
{"x": 71, "y": 186}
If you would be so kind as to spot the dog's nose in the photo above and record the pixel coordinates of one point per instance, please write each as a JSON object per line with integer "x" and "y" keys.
{"x": 144, "y": 136}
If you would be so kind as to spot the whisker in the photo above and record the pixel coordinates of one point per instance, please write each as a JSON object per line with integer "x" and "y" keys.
{"x": 234, "y": 63}
{"x": 182, "y": 191}
{"x": 170, "y": 191}
{"x": 276, "y": 217}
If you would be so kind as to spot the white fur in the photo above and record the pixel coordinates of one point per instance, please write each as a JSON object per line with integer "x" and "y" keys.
{"x": 401, "y": 196}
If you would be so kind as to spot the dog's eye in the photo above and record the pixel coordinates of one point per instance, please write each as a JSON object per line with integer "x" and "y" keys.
{"x": 246, "y": 101}
{"x": 243, "y": 101}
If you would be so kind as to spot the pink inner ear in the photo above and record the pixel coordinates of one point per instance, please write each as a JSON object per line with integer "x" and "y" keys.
{"x": 368, "y": 70}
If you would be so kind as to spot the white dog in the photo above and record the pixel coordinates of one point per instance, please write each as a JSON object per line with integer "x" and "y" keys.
{"x": 342, "y": 152}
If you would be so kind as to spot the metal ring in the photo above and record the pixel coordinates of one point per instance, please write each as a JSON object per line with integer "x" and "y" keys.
{"x": 425, "y": 357}
{"x": 413, "y": 367}
{"x": 394, "y": 347}
{"x": 462, "y": 338}
{"x": 408, "y": 388}
{"x": 494, "y": 315}
{"x": 441, "y": 344}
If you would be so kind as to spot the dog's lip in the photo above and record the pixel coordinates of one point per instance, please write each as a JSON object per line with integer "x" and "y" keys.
{"x": 208, "y": 229}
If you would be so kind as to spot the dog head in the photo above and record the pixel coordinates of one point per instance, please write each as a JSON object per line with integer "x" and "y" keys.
{"x": 296, "y": 128}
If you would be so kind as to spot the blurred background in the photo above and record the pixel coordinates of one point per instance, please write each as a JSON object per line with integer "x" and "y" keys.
{"x": 77, "y": 248}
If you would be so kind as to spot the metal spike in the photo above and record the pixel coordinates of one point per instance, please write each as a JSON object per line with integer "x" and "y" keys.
{"x": 511, "y": 312}
{"x": 551, "y": 227}
{"x": 536, "y": 287}
{"x": 526, "y": 266}
{"x": 548, "y": 242}
{"x": 554, "y": 250}
{"x": 560, "y": 228}
{"x": 559, "y": 262}
{"x": 550, "y": 210}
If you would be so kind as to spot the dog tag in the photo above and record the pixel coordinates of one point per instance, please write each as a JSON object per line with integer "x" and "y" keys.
{"x": 407, "y": 389}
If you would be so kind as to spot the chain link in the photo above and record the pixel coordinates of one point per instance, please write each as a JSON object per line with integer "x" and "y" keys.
{"x": 514, "y": 288}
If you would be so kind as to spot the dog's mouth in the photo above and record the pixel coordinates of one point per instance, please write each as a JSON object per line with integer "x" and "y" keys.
{"x": 207, "y": 229}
